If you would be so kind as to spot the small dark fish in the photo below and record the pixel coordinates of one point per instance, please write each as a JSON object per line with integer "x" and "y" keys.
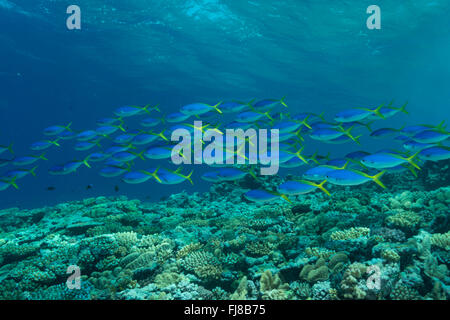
{"x": 116, "y": 188}
{"x": 51, "y": 188}
{"x": 89, "y": 186}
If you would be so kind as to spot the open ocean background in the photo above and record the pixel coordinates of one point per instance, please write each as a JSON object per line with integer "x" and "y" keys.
{"x": 319, "y": 54}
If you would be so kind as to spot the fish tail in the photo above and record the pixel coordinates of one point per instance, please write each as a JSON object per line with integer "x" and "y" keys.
{"x": 130, "y": 146}
{"x": 377, "y": 111}
{"x": 249, "y": 104}
{"x": 33, "y": 171}
{"x": 252, "y": 173}
{"x": 368, "y": 125}
{"x": 411, "y": 160}
{"x": 413, "y": 171}
{"x": 321, "y": 187}
{"x": 348, "y": 134}
{"x": 146, "y": 108}
{"x": 299, "y": 155}
{"x": 305, "y": 122}
{"x": 156, "y": 108}
{"x": 344, "y": 166}
{"x": 188, "y": 177}
{"x": 86, "y": 163}
{"x": 282, "y": 102}
{"x": 68, "y": 127}
{"x": 441, "y": 126}
{"x": 10, "y": 148}
{"x": 286, "y": 198}
{"x": 376, "y": 179}
{"x": 163, "y": 119}
{"x": 320, "y": 116}
{"x": 55, "y": 142}
{"x": 155, "y": 175}
{"x": 313, "y": 158}
{"x": 42, "y": 156}
{"x": 161, "y": 134}
{"x": 298, "y": 134}
{"x": 269, "y": 116}
{"x": 13, "y": 183}
{"x": 359, "y": 163}
{"x": 140, "y": 155}
{"x": 403, "y": 108}
{"x": 120, "y": 125}
{"x": 216, "y": 107}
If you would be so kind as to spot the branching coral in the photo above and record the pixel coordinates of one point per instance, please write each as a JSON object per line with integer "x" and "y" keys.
{"x": 350, "y": 234}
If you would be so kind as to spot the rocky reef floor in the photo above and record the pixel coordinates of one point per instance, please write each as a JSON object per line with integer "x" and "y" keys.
{"x": 361, "y": 243}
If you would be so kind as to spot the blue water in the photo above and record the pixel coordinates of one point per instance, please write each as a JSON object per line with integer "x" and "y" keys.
{"x": 319, "y": 54}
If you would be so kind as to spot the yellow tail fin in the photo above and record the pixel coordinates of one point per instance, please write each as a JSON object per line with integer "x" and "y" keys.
{"x": 376, "y": 179}
{"x": 282, "y": 102}
{"x": 216, "y": 107}
{"x": 33, "y": 171}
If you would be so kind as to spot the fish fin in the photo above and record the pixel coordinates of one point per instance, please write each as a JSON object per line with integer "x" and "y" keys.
{"x": 285, "y": 197}
{"x": 403, "y": 108}
{"x": 216, "y": 107}
{"x": 298, "y": 134}
{"x": 348, "y": 134}
{"x": 252, "y": 173}
{"x": 155, "y": 175}
{"x": 154, "y": 108}
{"x": 188, "y": 177}
{"x": 10, "y": 148}
{"x": 321, "y": 187}
{"x": 411, "y": 160}
{"x": 269, "y": 116}
{"x": 313, "y": 158}
{"x": 55, "y": 142}
{"x": 368, "y": 125}
{"x": 282, "y": 102}
{"x": 32, "y": 171}
{"x": 359, "y": 163}
{"x": 320, "y": 116}
{"x": 178, "y": 170}
{"x": 299, "y": 155}
{"x": 13, "y": 182}
{"x": 441, "y": 127}
{"x": 42, "y": 156}
{"x": 376, "y": 179}
{"x": 68, "y": 127}
{"x": 378, "y": 113}
{"x": 413, "y": 171}
{"x": 161, "y": 134}
{"x": 305, "y": 122}
{"x": 120, "y": 125}
{"x": 86, "y": 163}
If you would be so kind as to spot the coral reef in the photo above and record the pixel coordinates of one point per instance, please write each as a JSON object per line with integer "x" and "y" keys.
{"x": 357, "y": 244}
